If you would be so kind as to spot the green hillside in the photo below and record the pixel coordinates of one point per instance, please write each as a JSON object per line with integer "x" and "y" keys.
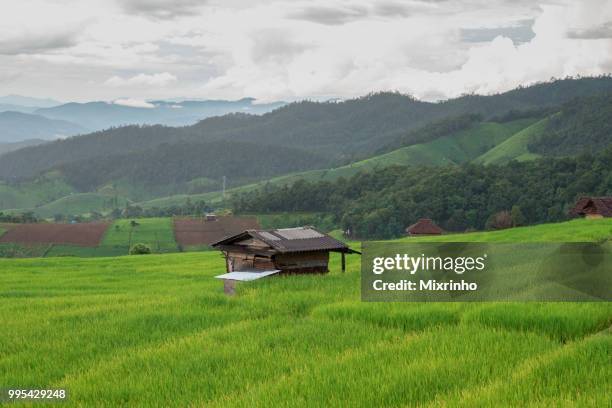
{"x": 180, "y": 199}
{"x": 456, "y": 148}
{"x": 80, "y": 203}
{"x": 142, "y": 327}
{"x": 516, "y": 147}
{"x": 31, "y": 194}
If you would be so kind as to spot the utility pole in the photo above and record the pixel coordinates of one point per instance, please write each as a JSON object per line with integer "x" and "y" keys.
{"x": 223, "y": 189}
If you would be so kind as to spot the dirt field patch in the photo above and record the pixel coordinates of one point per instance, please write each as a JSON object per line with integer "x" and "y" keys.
{"x": 195, "y": 231}
{"x": 85, "y": 234}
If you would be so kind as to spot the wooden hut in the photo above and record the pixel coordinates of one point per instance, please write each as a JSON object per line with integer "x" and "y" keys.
{"x": 592, "y": 207}
{"x": 424, "y": 226}
{"x": 287, "y": 251}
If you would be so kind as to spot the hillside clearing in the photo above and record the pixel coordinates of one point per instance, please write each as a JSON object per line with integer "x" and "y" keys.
{"x": 514, "y": 148}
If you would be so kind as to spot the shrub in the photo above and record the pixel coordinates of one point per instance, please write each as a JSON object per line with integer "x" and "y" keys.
{"x": 140, "y": 249}
{"x": 500, "y": 220}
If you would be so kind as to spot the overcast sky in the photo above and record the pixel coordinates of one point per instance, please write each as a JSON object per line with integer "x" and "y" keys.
{"x": 287, "y": 50}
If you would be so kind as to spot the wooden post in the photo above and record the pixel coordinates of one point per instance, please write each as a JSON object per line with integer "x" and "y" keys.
{"x": 343, "y": 262}
{"x": 229, "y": 287}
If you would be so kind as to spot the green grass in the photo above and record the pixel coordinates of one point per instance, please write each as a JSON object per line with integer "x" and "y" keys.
{"x": 15, "y": 250}
{"x": 86, "y": 252}
{"x": 578, "y": 230}
{"x": 157, "y": 233}
{"x": 158, "y": 331}
{"x": 514, "y": 148}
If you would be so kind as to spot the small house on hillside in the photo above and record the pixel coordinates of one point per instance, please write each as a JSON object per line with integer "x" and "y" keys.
{"x": 289, "y": 251}
{"x": 592, "y": 207}
{"x": 424, "y": 226}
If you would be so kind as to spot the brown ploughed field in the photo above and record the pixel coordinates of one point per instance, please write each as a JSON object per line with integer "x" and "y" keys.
{"x": 84, "y": 234}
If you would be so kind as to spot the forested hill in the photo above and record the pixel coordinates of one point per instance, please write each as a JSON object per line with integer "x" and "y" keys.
{"x": 337, "y": 132}
{"x": 152, "y": 161}
{"x": 357, "y": 128}
{"x": 179, "y": 163}
{"x": 583, "y": 125}
{"x": 380, "y": 204}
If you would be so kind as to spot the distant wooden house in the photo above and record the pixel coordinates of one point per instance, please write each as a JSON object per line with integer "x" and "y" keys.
{"x": 424, "y": 226}
{"x": 592, "y": 207}
{"x": 286, "y": 251}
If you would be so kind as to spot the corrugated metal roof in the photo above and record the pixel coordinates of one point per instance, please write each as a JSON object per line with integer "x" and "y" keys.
{"x": 267, "y": 235}
{"x": 246, "y": 276}
{"x": 297, "y": 233}
{"x": 290, "y": 240}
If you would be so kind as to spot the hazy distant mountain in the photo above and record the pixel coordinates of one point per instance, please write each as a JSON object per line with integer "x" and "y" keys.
{"x": 27, "y": 101}
{"x": 4, "y": 107}
{"x": 10, "y": 147}
{"x": 102, "y": 115}
{"x": 17, "y": 127}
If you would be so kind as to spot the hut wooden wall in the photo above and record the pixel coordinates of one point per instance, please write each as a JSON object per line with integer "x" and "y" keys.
{"x": 299, "y": 262}
{"x": 303, "y": 262}
{"x": 240, "y": 261}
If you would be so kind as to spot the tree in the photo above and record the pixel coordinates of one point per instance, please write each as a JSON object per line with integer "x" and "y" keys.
{"x": 140, "y": 249}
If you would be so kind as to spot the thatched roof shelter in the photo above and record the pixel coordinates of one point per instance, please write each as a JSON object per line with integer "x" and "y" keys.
{"x": 424, "y": 226}
{"x": 592, "y": 207}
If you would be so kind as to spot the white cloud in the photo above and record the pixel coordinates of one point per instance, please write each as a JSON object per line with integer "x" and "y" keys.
{"x": 160, "y": 79}
{"x": 161, "y": 9}
{"x": 282, "y": 49}
{"x": 134, "y": 103}
{"x": 418, "y": 56}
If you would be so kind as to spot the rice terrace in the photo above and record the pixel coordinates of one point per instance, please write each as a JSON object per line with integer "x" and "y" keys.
{"x": 323, "y": 203}
{"x": 134, "y": 330}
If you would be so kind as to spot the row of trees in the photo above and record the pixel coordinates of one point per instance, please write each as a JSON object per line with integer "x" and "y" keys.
{"x": 197, "y": 209}
{"x": 24, "y": 218}
{"x": 381, "y": 204}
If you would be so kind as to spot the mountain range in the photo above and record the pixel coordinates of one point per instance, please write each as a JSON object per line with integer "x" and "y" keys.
{"x": 18, "y": 127}
{"x": 321, "y": 141}
{"x": 69, "y": 119}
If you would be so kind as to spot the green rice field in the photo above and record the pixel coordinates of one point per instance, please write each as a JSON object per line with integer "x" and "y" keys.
{"x": 157, "y": 330}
